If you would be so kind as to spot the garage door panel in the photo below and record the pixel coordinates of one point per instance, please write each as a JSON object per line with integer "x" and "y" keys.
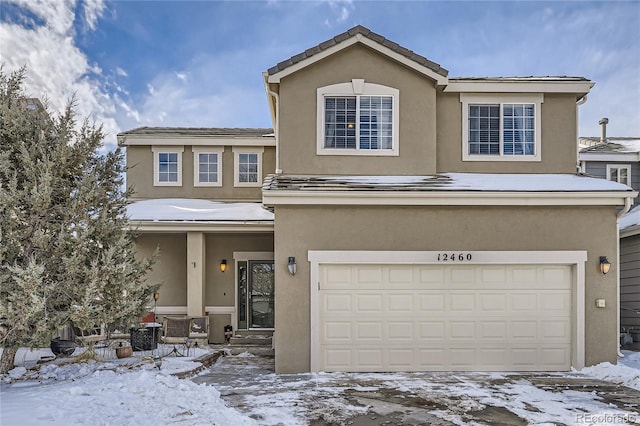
{"x": 368, "y": 302}
{"x": 462, "y": 302}
{"x": 431, "y": 303}
{"x": 555, "y": 302}
{"x": 336, "y": 331}
{"x": 401, "y": 278}
{"x": 432, "y": 330}
{"x": 337, "y": 276}
{"x": 400, "y": 303}
{"x": 493, "y": 330}
{"x": 337, "y": 302}
{"x": 439, "y": 318}
{"x": 493, "y": 302}
{"x": 369, "y": 331}
{"x": 369, "y": 277}
{"x": 400, "y": 331}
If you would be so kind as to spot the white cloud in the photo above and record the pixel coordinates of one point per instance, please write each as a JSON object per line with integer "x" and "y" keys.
{"x": 121, "y": 72}
{"x": 56, "y": 68}
{"x": 93, "y": 10}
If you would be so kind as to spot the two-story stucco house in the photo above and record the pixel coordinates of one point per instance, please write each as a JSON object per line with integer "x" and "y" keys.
{"x": 416, "y": 222}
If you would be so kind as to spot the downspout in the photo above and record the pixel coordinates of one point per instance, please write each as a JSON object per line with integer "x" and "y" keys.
{"x": 625, "y": 210}
{"x": 579, "y": 166}
{"x": 276, "y": 129}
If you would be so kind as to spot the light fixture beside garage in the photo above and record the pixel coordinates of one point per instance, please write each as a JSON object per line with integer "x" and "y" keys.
{"x": 223, "y": 265}
{"x": 605, "y": 265}
{"x": 291, "y": 265}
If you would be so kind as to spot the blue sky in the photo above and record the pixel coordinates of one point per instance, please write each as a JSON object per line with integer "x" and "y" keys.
{"x": 200, "y": 63}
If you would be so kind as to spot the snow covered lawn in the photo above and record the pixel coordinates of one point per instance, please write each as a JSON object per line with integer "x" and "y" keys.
{"x": 134, "y": 391}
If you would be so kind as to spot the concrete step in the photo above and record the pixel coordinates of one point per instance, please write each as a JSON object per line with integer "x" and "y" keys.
{"x": 251, "y": 339}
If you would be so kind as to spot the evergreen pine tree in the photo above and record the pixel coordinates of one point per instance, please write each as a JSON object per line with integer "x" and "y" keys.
{"x": 66, "y": 255}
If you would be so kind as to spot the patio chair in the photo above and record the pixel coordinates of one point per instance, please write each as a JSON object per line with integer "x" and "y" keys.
{"x": 175, "y": 331}
{"x": 199, "y": 330}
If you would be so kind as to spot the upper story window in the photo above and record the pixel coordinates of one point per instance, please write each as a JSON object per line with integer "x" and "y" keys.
{"x": 501, "y": 127}
{"x": 167, "y": 165}
{"x": 248, "y": 166}
{"x": 620, "y": 173}
{"x": 357, "y": 118}
{"x": 207, "y": 170}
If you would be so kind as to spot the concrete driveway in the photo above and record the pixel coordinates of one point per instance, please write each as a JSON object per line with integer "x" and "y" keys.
{"x": 248, "y": 383}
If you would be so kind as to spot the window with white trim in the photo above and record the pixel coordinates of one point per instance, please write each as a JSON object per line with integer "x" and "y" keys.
{"x": 167, "y": 165}
{"x": 248, "y": 166}
{"x": 357, "y": 118}
{"x": 620, "y": 173}
{"x": 207, "y": 170}
{"x": 501, "y": 127}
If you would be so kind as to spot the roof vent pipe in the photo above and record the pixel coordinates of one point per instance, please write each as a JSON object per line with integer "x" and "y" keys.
{"x": 603, "y": 129}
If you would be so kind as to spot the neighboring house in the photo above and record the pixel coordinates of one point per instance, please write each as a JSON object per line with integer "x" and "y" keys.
{"x": 618, "y": 159}
{"x": 420, "y": 222}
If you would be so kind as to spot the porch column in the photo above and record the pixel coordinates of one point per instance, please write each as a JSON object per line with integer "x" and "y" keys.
{"x": 195, "y": 273}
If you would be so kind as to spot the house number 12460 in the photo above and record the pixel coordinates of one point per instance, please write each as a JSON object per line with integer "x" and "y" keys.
{"x": 454, "y": 257}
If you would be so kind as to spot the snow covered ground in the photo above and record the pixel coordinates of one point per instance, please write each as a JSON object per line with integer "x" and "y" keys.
{"x": 133, "y": 391}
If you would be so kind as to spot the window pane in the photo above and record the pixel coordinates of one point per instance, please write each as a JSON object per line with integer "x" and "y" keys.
{"x": 519, "y": 133}
{"x": 376, "y": 115}
{"x": 248, "y": 168}
{"x": 484, "y": 129}
{"x": 340, "y": 122}
{"x": 167, "y": 166}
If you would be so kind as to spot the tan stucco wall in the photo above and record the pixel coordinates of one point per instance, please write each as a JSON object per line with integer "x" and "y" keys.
{"x": 220, "y": 286}
{"x": 299, "y": 229}
{"x": 140, "y": 176}
{"x": 170, "y": 267}
{"x": 298, "y": 116}
{"x": 558, "y": 143}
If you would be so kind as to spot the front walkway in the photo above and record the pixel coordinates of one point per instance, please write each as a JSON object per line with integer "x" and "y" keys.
{"x": 249, "y": 384}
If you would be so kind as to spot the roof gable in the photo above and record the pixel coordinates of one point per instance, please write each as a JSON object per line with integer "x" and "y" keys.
{"x": 358, "y": 34}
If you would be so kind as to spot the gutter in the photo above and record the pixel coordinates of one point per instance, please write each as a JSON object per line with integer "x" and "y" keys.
{"x": 276, "y": 121}
{"x": 627, "y": 206}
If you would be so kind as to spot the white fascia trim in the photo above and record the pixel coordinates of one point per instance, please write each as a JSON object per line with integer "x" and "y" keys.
{"x": 630, "y": 231}
{"x": 196, "y": 164}
{"x": 357, "y": 87}
{"x": 618, "y": 156}
{"x": 171, "y": 310}
{"x": 236, "y": 166}
{"x": 525, "y": 98}
{"x": 252, "y": 255}
{"x": 446, "y": 198}
{"x": 171, "y": 150}
{"x": 577, "y": 259}
{"x": 477, "y": 86}
{"x": 359, "y": 38}
{"x": 219, "y": 227}
{"x": 202, "y": 141}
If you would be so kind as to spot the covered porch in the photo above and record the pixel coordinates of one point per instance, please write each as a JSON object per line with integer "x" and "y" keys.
{"x": 214, "y": 259}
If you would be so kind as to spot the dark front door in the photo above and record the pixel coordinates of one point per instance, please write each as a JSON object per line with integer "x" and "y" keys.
{"x": 255, "y": 294}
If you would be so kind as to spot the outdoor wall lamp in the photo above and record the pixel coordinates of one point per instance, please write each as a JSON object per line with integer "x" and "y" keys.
{"x": 223, "y": 265}
{"x": 291, "y": 265}
{"x": 605, "y": 265}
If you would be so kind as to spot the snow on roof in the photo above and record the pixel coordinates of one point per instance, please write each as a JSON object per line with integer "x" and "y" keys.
{"x": 632, "y": 218}
{"x": 447, "y": 182}
{"x": 613, "y": 145}
{"x": 184, "y": 209}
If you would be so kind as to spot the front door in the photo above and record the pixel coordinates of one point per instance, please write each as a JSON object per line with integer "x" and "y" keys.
{"x": 255, "y": 294}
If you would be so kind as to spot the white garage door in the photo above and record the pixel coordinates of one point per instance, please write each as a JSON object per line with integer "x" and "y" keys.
{"x": 444, "y": 317}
